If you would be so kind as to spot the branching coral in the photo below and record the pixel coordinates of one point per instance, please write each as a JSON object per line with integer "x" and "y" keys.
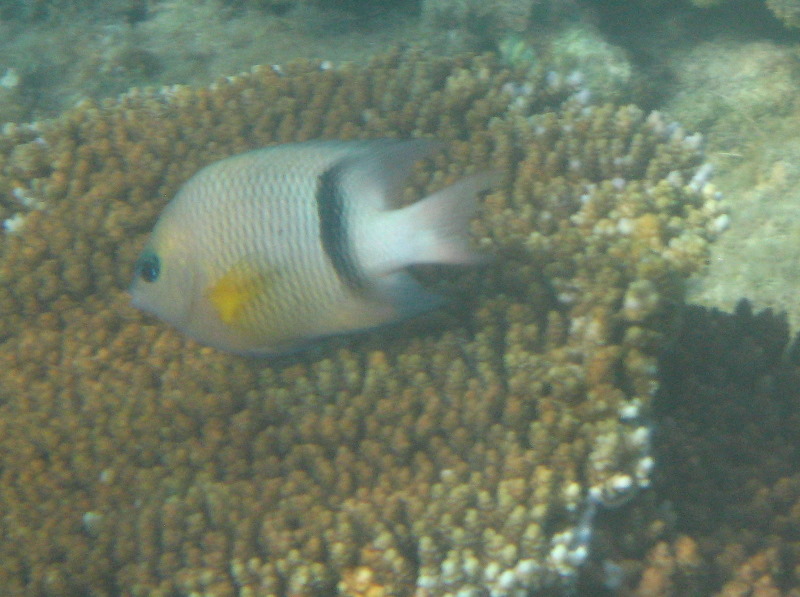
{"x": 457, "y": 453}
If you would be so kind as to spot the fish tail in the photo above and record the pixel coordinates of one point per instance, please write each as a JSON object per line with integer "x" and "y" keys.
{"x": 441, "y": 222}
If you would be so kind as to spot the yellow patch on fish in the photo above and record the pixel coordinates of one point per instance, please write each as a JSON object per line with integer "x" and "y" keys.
{"x": 241, "y": 287}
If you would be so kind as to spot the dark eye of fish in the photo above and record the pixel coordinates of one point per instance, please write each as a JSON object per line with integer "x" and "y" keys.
{"x": 148, "y": 267}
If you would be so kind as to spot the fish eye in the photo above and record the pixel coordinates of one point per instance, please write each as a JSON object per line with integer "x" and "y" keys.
{"x": 148, "y": 267}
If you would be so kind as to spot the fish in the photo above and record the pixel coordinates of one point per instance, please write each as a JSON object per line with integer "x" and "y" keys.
{"x": 265, "y": 252}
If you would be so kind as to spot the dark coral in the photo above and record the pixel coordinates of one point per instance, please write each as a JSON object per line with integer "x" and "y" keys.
{"x": 722, "y": 517}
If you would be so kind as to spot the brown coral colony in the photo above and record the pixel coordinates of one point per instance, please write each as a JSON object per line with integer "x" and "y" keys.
{"x": 458, "y": 455}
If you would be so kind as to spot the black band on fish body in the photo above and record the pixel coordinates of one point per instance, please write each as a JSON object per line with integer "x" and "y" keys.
{"x": 333, "y": 227}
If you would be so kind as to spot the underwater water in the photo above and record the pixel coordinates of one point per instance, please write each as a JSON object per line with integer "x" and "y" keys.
{"x": 594, "y": 411}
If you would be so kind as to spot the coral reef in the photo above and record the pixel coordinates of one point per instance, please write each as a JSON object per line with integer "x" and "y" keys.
{"x": 486, "y": 18}
{"x": 465, "y": 452}
{"x": 721, "y": 518}
{"x": 734, "y": 91}
{"x": 729, "y": 439}
{"x": 742, "y": 95}
{"x": 62, "y": 57}
{"x": 134, "y": 11}
{"x": 597, "y": 69}
{"x": 787, "y": 11}
{"x": 604, "y": 69}
{"x": 64, "y": 52}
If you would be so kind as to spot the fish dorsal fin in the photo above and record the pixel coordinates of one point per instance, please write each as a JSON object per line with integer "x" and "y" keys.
{"x": 377, "y": 173}
{"x": 235, "y": 294}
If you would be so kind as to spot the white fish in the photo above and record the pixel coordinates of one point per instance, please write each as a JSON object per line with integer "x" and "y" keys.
{"x": 262, "y": 252}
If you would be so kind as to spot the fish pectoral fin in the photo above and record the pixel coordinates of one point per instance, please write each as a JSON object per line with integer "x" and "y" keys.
{"x": 235, "y": 294}
{"x": 407, "y": 297}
